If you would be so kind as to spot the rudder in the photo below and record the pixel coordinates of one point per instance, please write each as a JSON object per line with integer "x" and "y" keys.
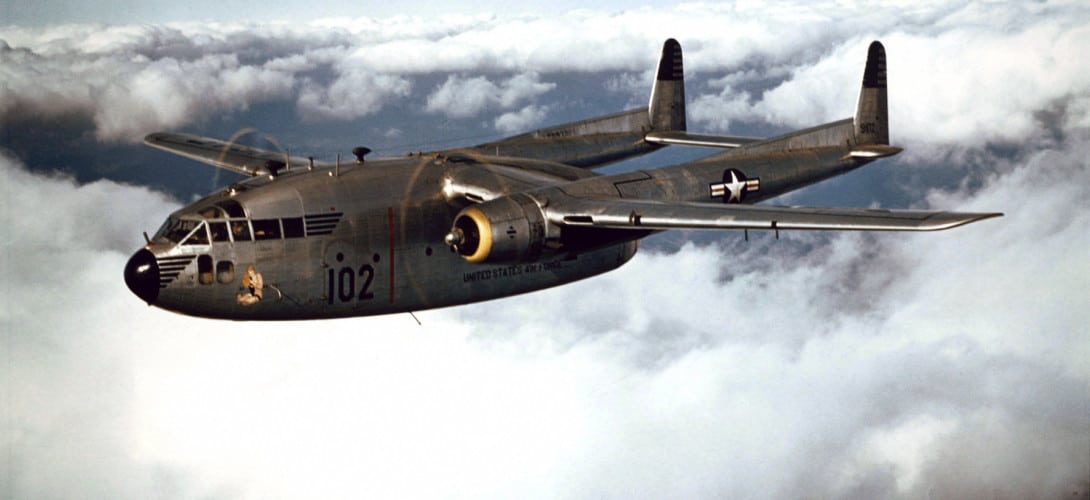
{"x": 872, "y": 111}
{"x": 667, "y": 106}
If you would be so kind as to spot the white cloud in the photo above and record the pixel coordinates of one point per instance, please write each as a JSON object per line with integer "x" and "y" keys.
{"x": 521, "y": 120}
{"x": 981, "y": 74}
{"x": 808, "y": 371}
{"x": 831, "y": 365}
{"x": 461, "y": 97}
{"x": 168, "y": 94}
{"x": 353, "y": 94}
{"x": 953, "y": 83}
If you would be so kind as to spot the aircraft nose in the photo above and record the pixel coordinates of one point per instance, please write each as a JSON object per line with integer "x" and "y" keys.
{"x": 142, "y": 276}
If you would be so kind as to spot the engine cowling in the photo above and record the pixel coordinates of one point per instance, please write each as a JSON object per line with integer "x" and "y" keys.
{"x": 506, "y": 229}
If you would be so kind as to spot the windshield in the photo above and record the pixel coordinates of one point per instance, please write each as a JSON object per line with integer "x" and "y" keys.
{"x": 177, "y": 229}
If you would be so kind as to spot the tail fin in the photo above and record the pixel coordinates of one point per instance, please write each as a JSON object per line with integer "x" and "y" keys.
{"x": 597, "y": 141}
{"x": 667, "y": 106}
{"x": 872, "y": 112}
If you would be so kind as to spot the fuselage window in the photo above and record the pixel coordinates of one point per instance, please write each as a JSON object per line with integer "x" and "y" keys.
{"x": 225, "y": 271}
{"x": 204, "y": 269}
{"x": 293, "y": 227}
{"x": 266, "y": 229}
{"x": 233, "y": 208}
{"x": 219, "y": 231}
{"x": 199, "y": 236}
{"x": 240, "y": 230}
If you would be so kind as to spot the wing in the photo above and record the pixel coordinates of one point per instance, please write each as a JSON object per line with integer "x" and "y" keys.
{"x": 655, "y": 215}
{"x": 237, "y": 158}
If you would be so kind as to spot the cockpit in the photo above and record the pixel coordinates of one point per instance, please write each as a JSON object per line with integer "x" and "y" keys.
{"x": 206, "y": 233}
{"x": 226, "y": 221}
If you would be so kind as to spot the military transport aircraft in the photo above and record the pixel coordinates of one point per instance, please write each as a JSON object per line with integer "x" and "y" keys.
{"x": 300, "y": 240}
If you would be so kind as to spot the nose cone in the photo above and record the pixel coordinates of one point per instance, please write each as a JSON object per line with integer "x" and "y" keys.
{"x": 142, "y": 276}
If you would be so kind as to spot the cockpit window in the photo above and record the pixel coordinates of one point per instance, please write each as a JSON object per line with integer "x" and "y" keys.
{"x": 212, "y": 213}
{"x": 199, "y": 236}
{"x": 240, "y": 229}
{"x": 267, "y": 229}
{"x": 219, "y": 231}
{"x": 176, "y": 229}
{"x": 162, "y": 232}
{"x": 233, "y": 208}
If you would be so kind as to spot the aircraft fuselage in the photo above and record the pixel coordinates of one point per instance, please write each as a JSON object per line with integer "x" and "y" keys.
{"x": 367, "y": 239}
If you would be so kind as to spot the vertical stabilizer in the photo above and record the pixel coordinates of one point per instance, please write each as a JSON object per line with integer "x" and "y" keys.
{"x": 667, "y": 106}
{"x": 872, "y": 112}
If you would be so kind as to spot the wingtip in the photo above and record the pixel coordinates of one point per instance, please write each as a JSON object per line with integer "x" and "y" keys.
{"x": 951, "y": 220}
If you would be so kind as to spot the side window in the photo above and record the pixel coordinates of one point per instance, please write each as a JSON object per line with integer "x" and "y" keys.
{"x": 219, "y": 231}
{"x": 240, "y": 229}
{"x": 267, "y": 229}
{"x": 293, "y": 227}
{"x": 225, "y": 271}
{"x": 204, "y": 269}
{"x": 199, "y": 237}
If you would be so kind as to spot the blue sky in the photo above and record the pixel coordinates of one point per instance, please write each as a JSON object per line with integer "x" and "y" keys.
{"x": 829, "y": 365}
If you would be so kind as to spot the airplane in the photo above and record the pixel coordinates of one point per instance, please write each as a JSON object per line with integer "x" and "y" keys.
{"x": 303, "y": 240}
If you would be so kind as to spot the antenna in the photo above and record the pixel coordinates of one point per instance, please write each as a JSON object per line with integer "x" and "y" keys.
{"x": 359, "y": 152}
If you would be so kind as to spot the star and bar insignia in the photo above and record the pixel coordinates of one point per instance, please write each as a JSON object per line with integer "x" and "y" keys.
{"x": 734, "y": 187}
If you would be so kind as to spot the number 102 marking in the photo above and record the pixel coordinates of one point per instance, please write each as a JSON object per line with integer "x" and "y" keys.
{"x": 341, "y": 284}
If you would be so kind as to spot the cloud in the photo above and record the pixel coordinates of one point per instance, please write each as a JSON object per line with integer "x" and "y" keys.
{"x": 168, "y": 94}
{"x": 352, "y": 95}
{"x": 872, "y": 365}
{"x": 460, "y": 97}
{"x": 833, "y": 365}
{"x": 788, "y": 65}
{"x": 521, "y": 120}
{"x": 952, "y": 82}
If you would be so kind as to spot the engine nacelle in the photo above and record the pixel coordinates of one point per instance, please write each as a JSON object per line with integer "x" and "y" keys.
{"x": 506, "y": 229}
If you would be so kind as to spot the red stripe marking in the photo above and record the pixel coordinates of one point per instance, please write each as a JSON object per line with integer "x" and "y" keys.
{"x": 390, "y": 224}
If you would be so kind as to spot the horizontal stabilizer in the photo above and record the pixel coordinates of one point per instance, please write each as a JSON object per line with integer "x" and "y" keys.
{"x": 874, "y": 151}
{"x": 656, "y": 215}
{"x": 681, "y": 138}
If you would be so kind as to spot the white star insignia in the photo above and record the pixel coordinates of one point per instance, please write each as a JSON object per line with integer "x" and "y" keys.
{"x": 736, "y": 187}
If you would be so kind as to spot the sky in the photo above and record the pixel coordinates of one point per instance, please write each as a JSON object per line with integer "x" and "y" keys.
{"x": 843, "y": 365}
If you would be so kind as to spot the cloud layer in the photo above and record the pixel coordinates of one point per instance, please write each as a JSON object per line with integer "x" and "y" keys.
{"x": 950, "y": 364}
{"x": 871, "y": 367}
{"x": 982, "y": 72}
